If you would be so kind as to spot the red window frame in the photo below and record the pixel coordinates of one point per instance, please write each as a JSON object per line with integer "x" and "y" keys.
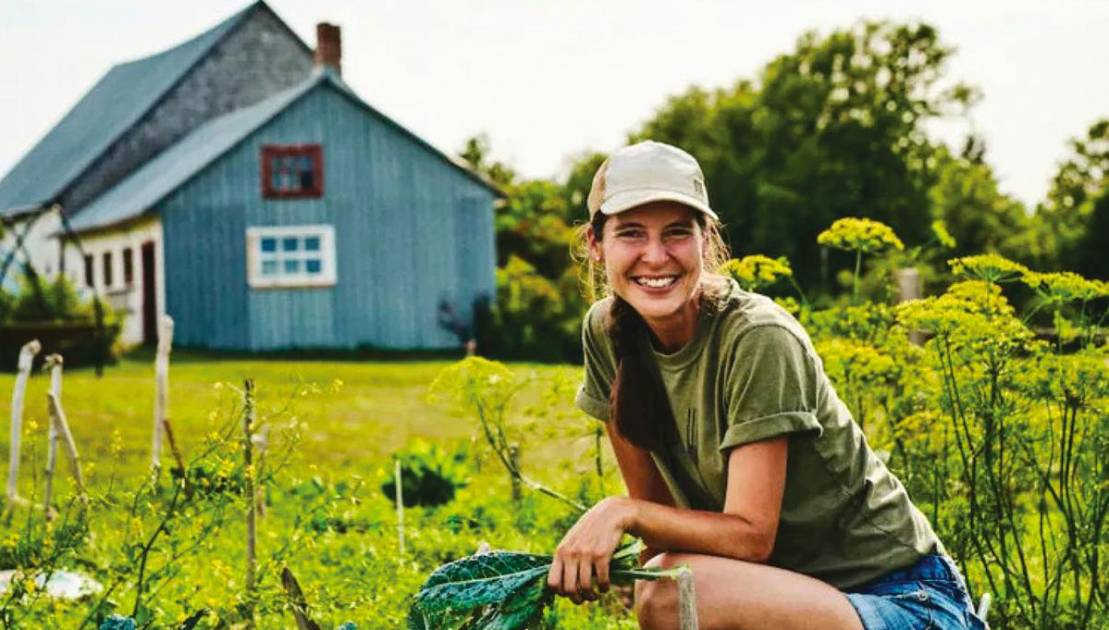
{"x": 313, "y": 151}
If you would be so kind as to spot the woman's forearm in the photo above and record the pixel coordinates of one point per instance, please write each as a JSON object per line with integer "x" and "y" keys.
{"x": 666, "y": 528}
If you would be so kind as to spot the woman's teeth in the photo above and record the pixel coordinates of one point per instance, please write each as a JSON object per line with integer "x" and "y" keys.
{"x": 656, "y": 283}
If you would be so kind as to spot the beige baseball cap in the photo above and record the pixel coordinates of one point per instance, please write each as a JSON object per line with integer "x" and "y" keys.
{"x": 645, "y": 172}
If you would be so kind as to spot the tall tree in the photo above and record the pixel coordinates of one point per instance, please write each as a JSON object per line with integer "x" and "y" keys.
{"x": 1061, "y": 235}
{"x": 833, "y": 129}
{"x": 980, "y": 217}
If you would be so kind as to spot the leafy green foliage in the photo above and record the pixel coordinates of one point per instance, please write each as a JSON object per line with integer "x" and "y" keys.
{"x": 502, "y": 590}
{"x": 1063, "y": 231}
{"x": 430, "y": 476}
{"x": 117, "y": 622}
{"x": 40, "y": 301}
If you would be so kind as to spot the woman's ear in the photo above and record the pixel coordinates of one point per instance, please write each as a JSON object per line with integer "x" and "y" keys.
{"x": 595, "y": 250}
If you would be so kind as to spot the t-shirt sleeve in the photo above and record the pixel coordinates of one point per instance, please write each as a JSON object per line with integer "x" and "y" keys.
{"x": 600, "y": 366}
{"x": 771, "y": 388}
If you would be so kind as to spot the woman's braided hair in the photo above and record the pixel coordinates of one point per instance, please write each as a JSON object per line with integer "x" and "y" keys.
{"x": 638, "y": 403}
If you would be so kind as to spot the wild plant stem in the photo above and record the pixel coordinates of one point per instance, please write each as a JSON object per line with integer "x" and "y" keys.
{"x": 855, "y": 280}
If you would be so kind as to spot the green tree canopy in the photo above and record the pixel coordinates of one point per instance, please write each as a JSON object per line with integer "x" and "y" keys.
{"x": 1064, "y": 224}
{"x": 832, "y": 129}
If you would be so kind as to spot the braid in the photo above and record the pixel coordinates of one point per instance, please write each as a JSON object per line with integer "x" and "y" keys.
{"x": 638, "y": 402}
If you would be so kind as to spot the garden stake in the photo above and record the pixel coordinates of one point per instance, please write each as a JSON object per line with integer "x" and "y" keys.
{"x": 687, "y": 601}
{"x": 26, "y": 355}
{"x": 400, "y": 504}
{"x": 161, "y": 387}
{"x": 514, "y": 458}
{"x": 176, "y": 452}
{"x": 983, "y": 606}
{"x": 54, "y": 364}
{"x": 248, "y": 466}
{"x": 57, "y": 417}
{"x": 261, "y": 441}
{"x": 296, "y": 596}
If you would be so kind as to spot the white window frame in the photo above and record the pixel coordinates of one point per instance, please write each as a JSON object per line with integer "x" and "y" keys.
{"x": 255, "y": 257}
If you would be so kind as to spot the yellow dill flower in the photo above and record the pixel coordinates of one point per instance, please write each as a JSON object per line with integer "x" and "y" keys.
{"x": 989, "y": 267}
{"x": 756, "y": 271}
{"x": 939, "y": 230}
{"x": 1065, "y": 286}
{"x": 115, "y": 443}
{"x": 862, "y": 235}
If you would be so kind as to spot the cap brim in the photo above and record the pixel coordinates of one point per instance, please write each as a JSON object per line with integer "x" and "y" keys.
{"x": 624, "y": 201}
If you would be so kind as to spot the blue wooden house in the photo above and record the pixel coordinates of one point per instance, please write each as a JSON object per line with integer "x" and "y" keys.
{"x": 237, "y": 183}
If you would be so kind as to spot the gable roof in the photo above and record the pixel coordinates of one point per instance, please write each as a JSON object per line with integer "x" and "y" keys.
{"x": 115, "y": 104}
{"x": 178, "y": 164}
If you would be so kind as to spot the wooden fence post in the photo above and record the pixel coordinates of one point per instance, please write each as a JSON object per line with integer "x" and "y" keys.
{"x": 161, "y": 387}
{"x": 54, "y": 364}
{"x": 261, "y": 442}
{"x": 399, "y": 496}
{"x": 26, "y": 356}
{"x": 248, "y": 463}
{"x": 57, "y": 416}
{"x": 687, "y": 601}
{"x": 300, "y": 605}
{"x": 514, "y": 458}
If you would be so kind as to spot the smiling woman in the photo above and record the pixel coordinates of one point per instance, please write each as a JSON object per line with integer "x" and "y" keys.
{"x": 739, "y": 459}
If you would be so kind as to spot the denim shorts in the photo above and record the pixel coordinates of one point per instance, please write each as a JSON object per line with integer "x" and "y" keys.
{"x": 929, "y": 594}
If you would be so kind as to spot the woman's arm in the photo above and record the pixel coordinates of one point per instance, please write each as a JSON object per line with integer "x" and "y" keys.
{"x": 747, "y": 527}
{"x": 745, "y": 530}
{"x": 641, "y": 476}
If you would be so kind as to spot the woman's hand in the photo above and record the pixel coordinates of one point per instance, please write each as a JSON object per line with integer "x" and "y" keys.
{"x": 587, "y": 549}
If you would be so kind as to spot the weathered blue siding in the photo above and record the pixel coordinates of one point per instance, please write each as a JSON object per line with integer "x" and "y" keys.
{"x": 410, "y": 230}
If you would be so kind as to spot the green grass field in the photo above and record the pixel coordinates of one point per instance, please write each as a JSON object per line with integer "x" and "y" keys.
{"x": 327, "y": 517}
{"x": 356, "y": 412}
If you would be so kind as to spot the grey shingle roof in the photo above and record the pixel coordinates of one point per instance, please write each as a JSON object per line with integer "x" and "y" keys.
{"x": 177, "y": 164}
{"x": 109, "y": 109}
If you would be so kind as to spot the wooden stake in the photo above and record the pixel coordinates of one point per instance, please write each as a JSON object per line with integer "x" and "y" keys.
{"x": 296, "y": 596}
{"x": 54, "y": 364}
{"x": 514, "y": 458}
{"x": 400, "y": 503}
{"x": 57, "y": 416}
{"x": 248, "y": 462}
{"x": 687, "y": 601}
{"x": 26, "y": 356}
{"x": 180, "y": 461}
{"x": 261, "y": 442}
{"x": 161, "y": 387}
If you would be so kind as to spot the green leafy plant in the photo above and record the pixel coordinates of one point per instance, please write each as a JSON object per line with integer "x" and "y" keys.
{"x": 505, "y": 590}
{"x": 429, "y": 475}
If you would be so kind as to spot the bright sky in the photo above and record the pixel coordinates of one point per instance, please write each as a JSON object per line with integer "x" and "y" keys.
{"x": 547, "y": 79}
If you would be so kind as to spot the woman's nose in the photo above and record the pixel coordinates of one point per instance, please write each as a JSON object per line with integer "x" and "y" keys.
{"x": 655, "y": 251}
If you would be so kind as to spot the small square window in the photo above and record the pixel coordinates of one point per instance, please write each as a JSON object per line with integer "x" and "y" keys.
{"x": 291, "y": 171}
{"x": 89, "y": 270}
{"x": 107, "y": 269}
{"x": 128, "y": 267}
{"x": 291, "y": 256}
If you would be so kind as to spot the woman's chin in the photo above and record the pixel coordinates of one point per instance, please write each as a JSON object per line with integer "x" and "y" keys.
{"x": 656, "y": 308}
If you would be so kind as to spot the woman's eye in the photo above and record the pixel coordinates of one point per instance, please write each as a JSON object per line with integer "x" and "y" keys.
{"x": 629, "y": 234}
{"x": 679, "y": 233}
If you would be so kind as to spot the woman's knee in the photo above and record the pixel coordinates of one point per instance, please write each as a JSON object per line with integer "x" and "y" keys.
{"x": 656, "y": 602}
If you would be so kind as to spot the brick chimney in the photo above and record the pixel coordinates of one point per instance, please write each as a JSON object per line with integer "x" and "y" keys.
{"x": 329, "y": 47}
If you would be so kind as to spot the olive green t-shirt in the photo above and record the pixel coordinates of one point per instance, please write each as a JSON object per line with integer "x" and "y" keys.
{"x": 750, "y": 373}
